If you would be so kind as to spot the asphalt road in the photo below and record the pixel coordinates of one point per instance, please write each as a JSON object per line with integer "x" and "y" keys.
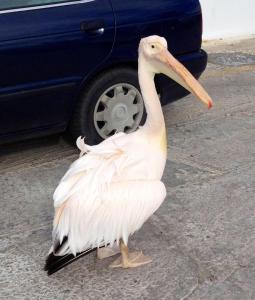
{"x": 202, "y": 239}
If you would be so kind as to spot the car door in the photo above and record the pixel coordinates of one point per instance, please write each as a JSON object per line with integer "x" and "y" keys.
{"x": 47, "y": 47}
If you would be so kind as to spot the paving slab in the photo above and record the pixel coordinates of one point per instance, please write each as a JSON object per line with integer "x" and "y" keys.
{"x": 201, "y": 240}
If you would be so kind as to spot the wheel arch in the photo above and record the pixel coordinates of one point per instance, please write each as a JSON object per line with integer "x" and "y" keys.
{"x": 88, "y": 85}
{"x": 109, "y": 67}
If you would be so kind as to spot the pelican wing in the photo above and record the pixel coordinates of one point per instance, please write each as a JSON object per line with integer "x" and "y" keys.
{"x": 103, "y": 219}
{"x": 86, "y": 172}
{"x": 94, "y": 206}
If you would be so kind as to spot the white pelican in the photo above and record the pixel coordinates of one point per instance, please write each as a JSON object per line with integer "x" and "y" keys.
{"x": 114, "y": 187}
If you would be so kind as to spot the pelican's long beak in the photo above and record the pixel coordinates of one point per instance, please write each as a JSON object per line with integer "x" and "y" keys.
{"x": 172, "y": 68}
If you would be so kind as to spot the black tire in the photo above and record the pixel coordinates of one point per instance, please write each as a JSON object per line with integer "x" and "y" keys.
{"x": 82, "y": 122}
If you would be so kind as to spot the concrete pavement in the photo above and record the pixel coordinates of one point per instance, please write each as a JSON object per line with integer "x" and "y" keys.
{"x": 202, "y": 239}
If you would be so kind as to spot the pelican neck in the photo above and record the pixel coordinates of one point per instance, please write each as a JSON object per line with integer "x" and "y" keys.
{"x": 155, "y": 118}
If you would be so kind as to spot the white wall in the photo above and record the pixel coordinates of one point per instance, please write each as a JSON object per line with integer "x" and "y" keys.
{"x": 228, "y": 18}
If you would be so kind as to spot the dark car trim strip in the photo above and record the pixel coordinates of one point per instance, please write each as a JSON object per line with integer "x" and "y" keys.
{"x": 37, "y": 91}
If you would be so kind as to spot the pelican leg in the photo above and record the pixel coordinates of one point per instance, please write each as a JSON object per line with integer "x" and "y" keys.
{"x": 130, "y": 260}
{"x": 105, "y": 252}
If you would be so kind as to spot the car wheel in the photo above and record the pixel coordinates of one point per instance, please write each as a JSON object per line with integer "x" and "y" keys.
{"x": 111, "y": 103}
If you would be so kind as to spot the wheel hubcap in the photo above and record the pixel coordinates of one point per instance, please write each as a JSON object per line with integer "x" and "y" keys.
{"x": 119, "y": 109}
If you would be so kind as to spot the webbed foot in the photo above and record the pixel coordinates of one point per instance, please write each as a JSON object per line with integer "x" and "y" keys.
{"x": 132, "y": 260}
{"x": 105, "y": 252}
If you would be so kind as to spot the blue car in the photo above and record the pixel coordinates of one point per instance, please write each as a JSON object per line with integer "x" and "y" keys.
{"x": 72, "y": 65}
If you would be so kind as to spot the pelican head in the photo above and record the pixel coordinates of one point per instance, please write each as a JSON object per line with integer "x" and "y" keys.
{"x": 153, "y": 51}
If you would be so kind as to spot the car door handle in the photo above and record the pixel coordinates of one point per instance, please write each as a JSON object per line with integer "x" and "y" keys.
{"x": 93, "y": 27}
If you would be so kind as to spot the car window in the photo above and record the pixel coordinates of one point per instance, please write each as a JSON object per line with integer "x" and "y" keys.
{"x": 13, "y": 4}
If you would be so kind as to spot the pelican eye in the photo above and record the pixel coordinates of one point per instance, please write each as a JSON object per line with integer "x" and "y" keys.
{"x": 152, "y": 46}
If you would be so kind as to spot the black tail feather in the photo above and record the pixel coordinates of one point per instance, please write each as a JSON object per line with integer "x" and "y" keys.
{"x": 55, "y": 263}
{"x": 57, "y": 246}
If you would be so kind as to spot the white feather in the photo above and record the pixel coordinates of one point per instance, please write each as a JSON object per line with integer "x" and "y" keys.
{"x": 107, "y": 194}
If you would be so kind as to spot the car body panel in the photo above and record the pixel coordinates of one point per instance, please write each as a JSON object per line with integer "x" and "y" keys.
{"x": 45, "y": 55}
{"x": 178, "y": 21}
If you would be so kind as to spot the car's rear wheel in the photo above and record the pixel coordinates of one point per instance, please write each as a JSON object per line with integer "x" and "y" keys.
{"x": 111, "y": 103}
